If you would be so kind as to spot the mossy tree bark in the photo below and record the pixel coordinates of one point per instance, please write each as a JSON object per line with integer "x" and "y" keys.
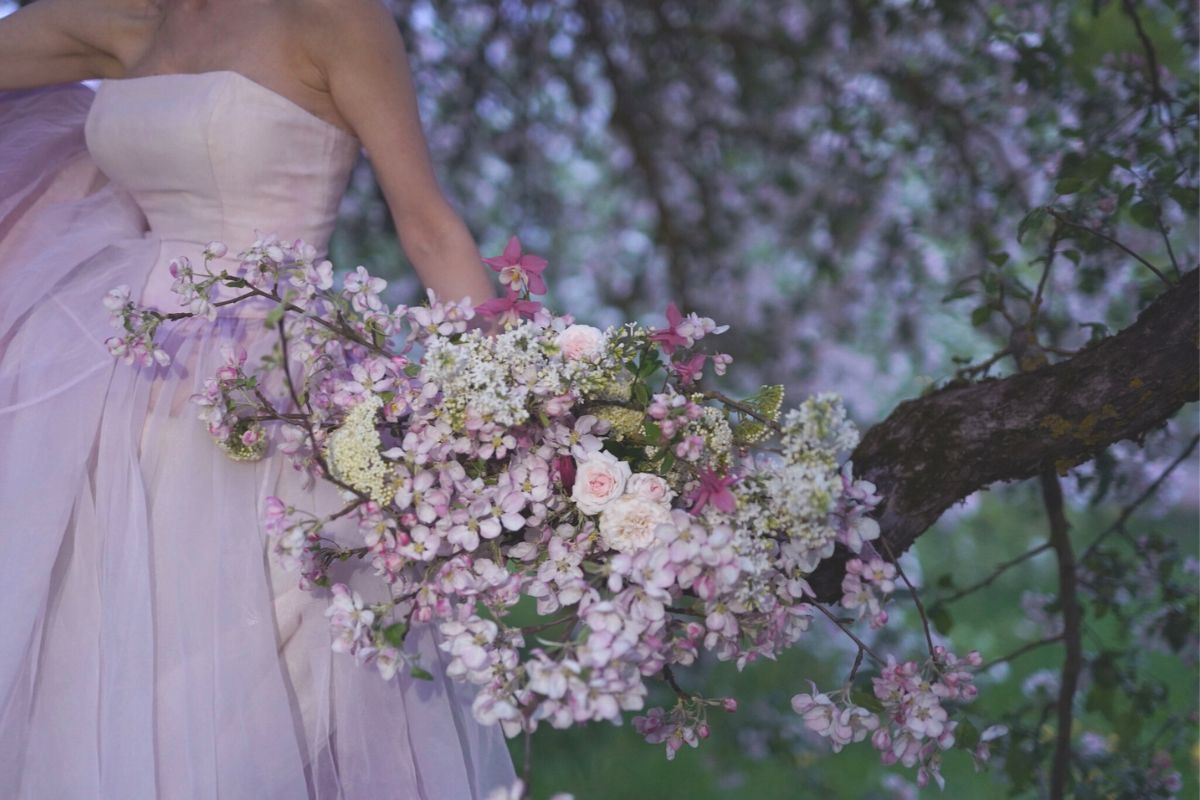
{"x": 935, "y": 450}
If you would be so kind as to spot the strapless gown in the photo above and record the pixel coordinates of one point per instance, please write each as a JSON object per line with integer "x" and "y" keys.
{"x": 148, "y": 646}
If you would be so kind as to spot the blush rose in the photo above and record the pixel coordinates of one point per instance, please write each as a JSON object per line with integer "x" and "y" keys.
{"x": 599, "y": 480}
{"x": 581, "y": 341}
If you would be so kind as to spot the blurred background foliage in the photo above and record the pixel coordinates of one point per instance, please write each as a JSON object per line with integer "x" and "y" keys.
{"x": 880, "y": 196}
{"x": 850, "y": 185}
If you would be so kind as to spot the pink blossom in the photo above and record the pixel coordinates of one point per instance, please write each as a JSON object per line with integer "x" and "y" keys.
{"x": 689, "y": 371}
{"x": 510, "y": 309}
{"x": 670, "y": 339}
{"x": 714, "y": 489}
{"x": 519, "y": 270}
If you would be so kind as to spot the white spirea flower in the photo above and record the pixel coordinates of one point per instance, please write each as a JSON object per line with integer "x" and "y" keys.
{"x": 599, "y": 480}
{"x": 582, "y": 342}
{"x": 353, "y": 451}
{"x": 629, "y": 523}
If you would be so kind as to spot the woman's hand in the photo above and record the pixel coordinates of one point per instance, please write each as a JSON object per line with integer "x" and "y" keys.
{"x": 357, "y": 46}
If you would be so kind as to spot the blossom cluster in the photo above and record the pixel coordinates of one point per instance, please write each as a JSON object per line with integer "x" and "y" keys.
{"x": 907, "y": 719}
{"x": 567, "y": 505}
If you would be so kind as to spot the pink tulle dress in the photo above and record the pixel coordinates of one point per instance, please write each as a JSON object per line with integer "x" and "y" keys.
{"x": 149, "y": 648}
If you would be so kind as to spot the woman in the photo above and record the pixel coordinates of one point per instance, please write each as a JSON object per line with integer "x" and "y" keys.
{"x": 150, "y": 648}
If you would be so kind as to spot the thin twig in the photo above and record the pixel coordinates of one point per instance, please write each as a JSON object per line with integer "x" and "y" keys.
{"x": 984, "y": 366}
{"x": 913, "y": 591}
{"x": 1022, "y": 650}
{"x": 861, "y": 644}
{"x": 1167, "y": 241}
{"x": 1035, "y": 305}
{"x": 745, "y": 409}
{"x": 1127, "y": 511}
{"x": 308, "y": 424}
{"x": 669, "y": 677}
{"x": 1160, "y": 95}
{"x": 1000, "y": 570}
{"x": 178, "y": 315}
{"x": 858, "y": 659}
{"x": 548, "y": 625}
{"x": 1111, "y": 241}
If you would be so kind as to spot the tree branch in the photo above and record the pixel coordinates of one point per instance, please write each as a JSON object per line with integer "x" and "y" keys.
{"x": 1068, "y": 601}
{"x": 935, "y": 450}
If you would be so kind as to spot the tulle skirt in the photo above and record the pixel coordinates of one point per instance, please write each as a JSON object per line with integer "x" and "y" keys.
{"x": 150, "y": 649}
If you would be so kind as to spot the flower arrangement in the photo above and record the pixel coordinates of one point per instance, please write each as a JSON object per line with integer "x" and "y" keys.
{"x": 588, "y": 473}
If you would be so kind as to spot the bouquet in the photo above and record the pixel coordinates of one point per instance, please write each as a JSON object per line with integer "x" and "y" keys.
{"x": 577, "y": 511}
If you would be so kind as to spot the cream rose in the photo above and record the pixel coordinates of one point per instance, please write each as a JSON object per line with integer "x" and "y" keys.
{"x": 599, "y": 480}
{"x": 629, "y": 523}
{"x": 649, "y": 486}
{"x": 581, "y": 341}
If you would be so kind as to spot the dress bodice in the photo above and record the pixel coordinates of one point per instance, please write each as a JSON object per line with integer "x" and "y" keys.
{"x": 216, "y": 156}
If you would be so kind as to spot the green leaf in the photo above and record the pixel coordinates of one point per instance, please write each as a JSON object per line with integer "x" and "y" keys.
{"x": 867, "y": 700}
{"x": 1069, "y": 185}
{"x": 273, "y": 316}
{"x": 420, "y": 674}
{"x": 1188, "y": 199}
{"x": 966, "y": 735}
{"x": 653, "y": 431}
{"x": 957, "y": 294}
{"x": 940, "y": 616}
{"x": 1126, "y": 195}
{"x": 1070, "y": 167}
{"x": 1032, "y": 222}
{"x": 394, "y": 634}
{"x": 999, "y": 258}
{"x": 1145, "y": 214}
{"x": 1129, "y": 725}
{"x": 981, "y": 315}
{"x": 1072, "y": 256}
{"x": 641, "y": 394}
{"x": 650, "y": 365}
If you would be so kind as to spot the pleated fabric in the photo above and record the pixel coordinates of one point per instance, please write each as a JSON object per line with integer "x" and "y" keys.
{"x": 149, "y": 647}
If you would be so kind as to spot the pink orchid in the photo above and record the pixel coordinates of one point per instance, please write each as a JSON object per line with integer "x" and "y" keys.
{"x": 519, "y": 270}
{"x": 670, "y": 338}
{"x": 510, "y": 308}
{"x": 714, "y": 489}
{"x": 690, "y": 370}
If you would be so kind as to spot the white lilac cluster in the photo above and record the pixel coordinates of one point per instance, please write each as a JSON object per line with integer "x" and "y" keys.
{"x": 549, "y": 460}
{"x": 501, "y": 379}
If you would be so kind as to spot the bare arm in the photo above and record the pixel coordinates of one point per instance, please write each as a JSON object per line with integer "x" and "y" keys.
{"x": 55, "y": 41}
{"x": 361, "y": 54}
